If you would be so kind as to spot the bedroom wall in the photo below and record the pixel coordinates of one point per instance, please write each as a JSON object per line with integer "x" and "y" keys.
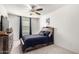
{"x": 3, "y": 11}
{"x": 43, "y": 21}
{"x": 35, "y": 25}
{"x": 5, "y": 23}
{"x": 66, "y": 24}
{"x": 14, "y": 23}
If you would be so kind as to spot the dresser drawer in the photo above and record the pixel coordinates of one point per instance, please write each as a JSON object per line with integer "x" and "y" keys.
{"x": 1, "y": 45}
{"x": 6, "y": 43}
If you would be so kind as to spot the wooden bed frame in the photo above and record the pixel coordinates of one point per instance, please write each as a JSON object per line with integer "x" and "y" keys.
{"x": 37, "y": 46}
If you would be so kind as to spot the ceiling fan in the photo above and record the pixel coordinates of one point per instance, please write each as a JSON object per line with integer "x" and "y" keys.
{"x": 34, "y": 9}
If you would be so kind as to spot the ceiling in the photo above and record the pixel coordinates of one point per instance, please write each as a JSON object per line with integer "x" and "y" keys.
{"x": 50, "y": 7}
{"x": 47, "y": 8}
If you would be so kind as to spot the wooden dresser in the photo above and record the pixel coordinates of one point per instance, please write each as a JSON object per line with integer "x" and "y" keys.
{"x": 6, "y": 42}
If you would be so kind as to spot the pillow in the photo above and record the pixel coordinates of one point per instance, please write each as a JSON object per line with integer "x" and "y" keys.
{"x": 41, "y": 33}
{"x": 46, "y": 33}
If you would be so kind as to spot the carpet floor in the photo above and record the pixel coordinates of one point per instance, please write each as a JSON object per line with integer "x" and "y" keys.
{"x": 51, "y": 49}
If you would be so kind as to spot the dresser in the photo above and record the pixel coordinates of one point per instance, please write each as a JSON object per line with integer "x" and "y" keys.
{"x": 6, "y": 42}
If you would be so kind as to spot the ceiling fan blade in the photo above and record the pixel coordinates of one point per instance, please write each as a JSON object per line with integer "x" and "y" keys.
{"x": 40, "y": 9}
{"x": 38, "y": 13}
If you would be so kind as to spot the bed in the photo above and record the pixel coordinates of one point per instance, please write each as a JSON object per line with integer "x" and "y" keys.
{"x": 45, "y": 36}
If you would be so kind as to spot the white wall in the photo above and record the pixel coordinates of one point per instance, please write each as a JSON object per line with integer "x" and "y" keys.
{"x": 14, "y": 23}
{"x": 66, "y": 23}
{"x": 5, "y": 23}
{"x": 43, "y": 21}
{"x": 35, "y": 25}
{"x": 3, "y": 11}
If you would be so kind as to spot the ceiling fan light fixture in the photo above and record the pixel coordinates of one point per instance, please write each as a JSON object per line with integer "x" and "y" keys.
{"x": 34, "y": 9}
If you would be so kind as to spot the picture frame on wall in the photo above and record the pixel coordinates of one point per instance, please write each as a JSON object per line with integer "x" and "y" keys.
{"x": 48, "y": 21}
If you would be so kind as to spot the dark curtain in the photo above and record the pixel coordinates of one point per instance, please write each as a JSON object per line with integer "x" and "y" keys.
{"x": 20, "y": 30}
{"x": 1, "y": 23}
{"x": 30, "y": 27}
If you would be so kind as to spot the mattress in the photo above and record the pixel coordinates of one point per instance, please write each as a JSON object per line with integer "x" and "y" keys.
{"x": 32, "y": 40}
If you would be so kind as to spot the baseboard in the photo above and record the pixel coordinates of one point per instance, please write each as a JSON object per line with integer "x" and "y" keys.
{"x": 66, "y": 49}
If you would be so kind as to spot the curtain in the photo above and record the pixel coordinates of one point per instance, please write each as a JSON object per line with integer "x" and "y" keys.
{"x": 1, "y": 23}
{"x": 25, "y": 26}
{"x": 30, "y": 27}
{"x": 20, "y": 30}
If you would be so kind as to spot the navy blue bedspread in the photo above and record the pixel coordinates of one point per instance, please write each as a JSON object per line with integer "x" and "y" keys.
{"x": 32, "y": 40}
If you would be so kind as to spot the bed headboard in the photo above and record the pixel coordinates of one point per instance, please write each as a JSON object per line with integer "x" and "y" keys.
{"x": 50, "y": 29}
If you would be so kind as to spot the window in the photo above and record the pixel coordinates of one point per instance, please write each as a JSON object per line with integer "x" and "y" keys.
{"x": 25, "y": 26}
{"x": 28, "y": 26}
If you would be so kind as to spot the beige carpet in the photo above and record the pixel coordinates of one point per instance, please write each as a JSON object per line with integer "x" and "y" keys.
{"x": 51, "y": 49}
